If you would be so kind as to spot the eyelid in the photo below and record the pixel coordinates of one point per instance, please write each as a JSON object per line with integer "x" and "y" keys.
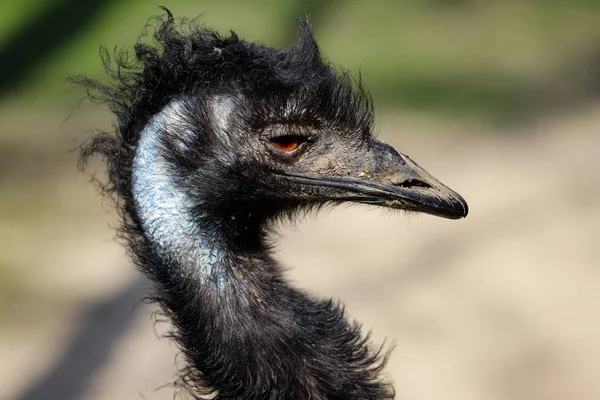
{"x": 302, "y": 145}
{"x": 274, "y": 131}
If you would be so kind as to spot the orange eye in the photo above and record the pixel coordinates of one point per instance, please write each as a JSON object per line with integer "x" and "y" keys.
{"x": 288, "y": 143}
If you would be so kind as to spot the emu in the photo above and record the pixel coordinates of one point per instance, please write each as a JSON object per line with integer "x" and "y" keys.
{"x": 215, "y": 139}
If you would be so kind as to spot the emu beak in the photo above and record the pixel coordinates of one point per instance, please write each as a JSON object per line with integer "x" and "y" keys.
{"x": 405, "y": 185}
{"x": 391, "y": 179}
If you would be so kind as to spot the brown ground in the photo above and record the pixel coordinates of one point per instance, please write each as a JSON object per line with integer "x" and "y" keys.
{"x": 502, "y": 305}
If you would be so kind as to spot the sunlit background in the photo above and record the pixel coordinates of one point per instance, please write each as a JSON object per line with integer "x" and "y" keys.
{"x": 498, "y": 99}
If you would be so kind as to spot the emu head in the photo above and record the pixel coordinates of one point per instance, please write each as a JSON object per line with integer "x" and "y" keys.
{"x": 251, "y": 132}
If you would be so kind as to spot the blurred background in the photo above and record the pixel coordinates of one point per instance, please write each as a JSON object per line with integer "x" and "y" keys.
{"x": 499, "y": 100}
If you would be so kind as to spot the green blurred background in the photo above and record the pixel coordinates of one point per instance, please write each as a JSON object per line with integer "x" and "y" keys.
{"x": 482, "y": 58}
{"x": 473, "y": 76}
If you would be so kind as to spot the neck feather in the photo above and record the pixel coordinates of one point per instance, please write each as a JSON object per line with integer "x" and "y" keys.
{"x": 244, "y": 331}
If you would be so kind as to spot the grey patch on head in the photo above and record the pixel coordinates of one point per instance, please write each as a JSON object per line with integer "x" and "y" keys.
{"x": 221, "y": 108}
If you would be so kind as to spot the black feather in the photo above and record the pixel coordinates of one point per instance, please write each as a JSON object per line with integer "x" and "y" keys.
{"x": 258, "y": 338}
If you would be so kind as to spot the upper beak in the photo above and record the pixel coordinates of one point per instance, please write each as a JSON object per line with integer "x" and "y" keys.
{"x": 388, "y": 178}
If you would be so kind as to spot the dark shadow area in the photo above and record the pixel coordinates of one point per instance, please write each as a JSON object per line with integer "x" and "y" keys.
{"x": 589, "y": 70}
{"x": 41, "y": 36}
{"x": 101, "y": 328}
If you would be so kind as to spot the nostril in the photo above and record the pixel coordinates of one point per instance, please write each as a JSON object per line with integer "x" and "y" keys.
{"x": 411, "y": 183}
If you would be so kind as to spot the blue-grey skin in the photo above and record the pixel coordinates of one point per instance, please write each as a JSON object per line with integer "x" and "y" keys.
{"x": 165, "y": 211}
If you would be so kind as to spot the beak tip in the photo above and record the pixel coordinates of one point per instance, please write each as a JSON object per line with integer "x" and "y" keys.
{"x": 453, "y": 207}
{"x": 460, "y": 207}
{"x": 465, "y": 207}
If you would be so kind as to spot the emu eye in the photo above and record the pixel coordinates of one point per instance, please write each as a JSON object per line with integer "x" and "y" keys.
{"x": 289, "y": 143}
